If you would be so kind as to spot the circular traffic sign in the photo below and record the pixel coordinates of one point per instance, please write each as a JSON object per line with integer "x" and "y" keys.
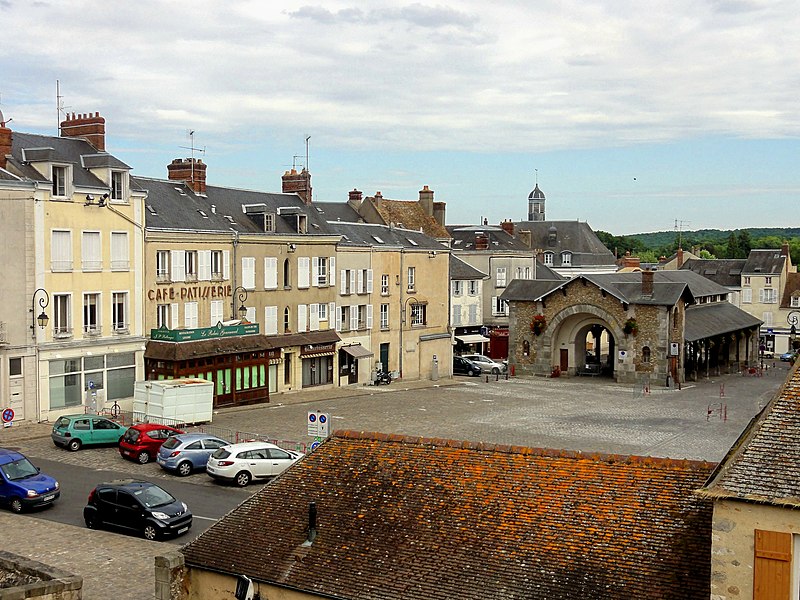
{"x": 314, "y": 445}
{"x": 8, "y": 415}
{"x": 312, "y": 418}
{"x": 323, "y": 419}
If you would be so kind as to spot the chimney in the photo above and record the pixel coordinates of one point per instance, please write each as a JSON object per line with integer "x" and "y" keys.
{"x": 630, "y": 262}
{"x": 355, "y": 198}
{"x": 426, "y": 200}
{"x": 192, "y": 171}
{"x": 311, "y": 532}
{"x": 378, "y": 199}
{"x": 679, "y": 256}
{"x": 647, "y": 283}
{"x": 481, "y": 241}
{"x": 293, "y": 182}
{"x": 525, "y": 237}
{"x": 439, "y": 209}
{"x": 784, "y": 246}
{"x": 91, "y": 128}
{"x": 508, "y": 226}
{"x": 5, "y": 142}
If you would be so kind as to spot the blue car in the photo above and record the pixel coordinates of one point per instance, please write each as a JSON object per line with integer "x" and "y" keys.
{"x": 188, "y": 452}
{"x": 22, "y": 485}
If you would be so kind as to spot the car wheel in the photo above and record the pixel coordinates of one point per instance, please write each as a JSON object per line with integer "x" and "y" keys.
{"x": 495, "y": 371}
{"x": 91, "y": 522}
{"x": 242, "y": 478}
{"x": 184, "y": 468}
{"x": 15, "y": 505}
{"x": 471, "y": 373}
{"x": 74, "y": 445}
{"x": 143, "y": 457}
{"x": 150, "y": 532}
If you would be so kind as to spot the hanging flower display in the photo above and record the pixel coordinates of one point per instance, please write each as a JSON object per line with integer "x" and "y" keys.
{"x": 631, "y": 327}
{"x": 538, "y": 324}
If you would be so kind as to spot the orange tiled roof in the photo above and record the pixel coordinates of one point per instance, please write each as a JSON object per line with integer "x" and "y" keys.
{"x": 410, "y": 215}
{"x": 428, "y": 519}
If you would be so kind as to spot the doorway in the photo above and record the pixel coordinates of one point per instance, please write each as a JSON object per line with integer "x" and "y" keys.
{"x": 384, "y": 357}
{"x": 564, "y": 360}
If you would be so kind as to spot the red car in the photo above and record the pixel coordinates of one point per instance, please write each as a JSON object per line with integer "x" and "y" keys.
{"x": 141, "y": 442}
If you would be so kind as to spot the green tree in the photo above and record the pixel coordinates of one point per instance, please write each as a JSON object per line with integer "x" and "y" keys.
{"x": 745, "y": 245}
{"x": 733, "y": 250}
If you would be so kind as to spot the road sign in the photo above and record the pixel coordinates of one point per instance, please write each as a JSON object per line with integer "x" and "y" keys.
{"x": 318, "y": 424}
{"x": 8, "y": 415}
{"x": 315, "y": 445}
{"x": 323, "y": 425}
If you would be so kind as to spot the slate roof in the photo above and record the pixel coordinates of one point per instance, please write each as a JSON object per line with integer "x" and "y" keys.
{"x": 764, "y": 464}
{"x": 718, "y": 318}
{"x": 338, "y": 211}
{"x": 499, "y": 239}
{"x": 573, "y": 236}
{"x": 459, "y": 270}
{"x": 408, "y": 214}
{"x": 724, "y": 271}
{"x": 764, "y": 262}
{"x": 435, "y": 519}
{"x": 380, "y": 236}
{"x": 792, "y": 288}
{"x": 174, "y": 205}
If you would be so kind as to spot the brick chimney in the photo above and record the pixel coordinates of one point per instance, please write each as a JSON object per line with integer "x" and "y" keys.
{"x": 508, "y": 226}
{"x": 647, "y": 283}
{"x": 426, "y": 200}
{"x": 355, "y": 198}
{"x": 91, "y": 128}
{"x": 189, "y": 170}
{"x": 481, "y": 241}
{"x": 439, "y": 211}
{"x": 293, "y": 182}
{"x": 679, "y": 257}
{"x": 5, "y": 142}
{"x": 784, "y": 246}
{"x": 378, "y": 199}
{"x": 630, "y": 262}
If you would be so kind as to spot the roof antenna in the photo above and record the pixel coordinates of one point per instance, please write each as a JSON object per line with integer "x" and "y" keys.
{"x": 679, "y": 227}
{"x": 60, "y": 108}
{"x": 191, "y": 147}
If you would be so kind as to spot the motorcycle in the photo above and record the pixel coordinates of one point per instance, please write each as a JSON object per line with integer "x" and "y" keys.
{"x": 383, "y": 378}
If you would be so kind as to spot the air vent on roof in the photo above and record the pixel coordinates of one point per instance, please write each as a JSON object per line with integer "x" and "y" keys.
{"x": 230, "y": 219}
{"x": 757, "y": 269}
{"x": 377, "y": 239}
{"x": 180, "y": 191}
{"x": 319, "y": 210}
{"x": 202, "y": 213}
{"x": 151, "y": 209}
{"x": 315, "y": 226}
{"x": 412, "y": 242}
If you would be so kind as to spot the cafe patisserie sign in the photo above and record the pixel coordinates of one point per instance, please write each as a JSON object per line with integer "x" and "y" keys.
{"x": 189, "y": 292}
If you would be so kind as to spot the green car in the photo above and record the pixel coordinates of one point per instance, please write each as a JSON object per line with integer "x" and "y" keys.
{"x": 74, "y": 431}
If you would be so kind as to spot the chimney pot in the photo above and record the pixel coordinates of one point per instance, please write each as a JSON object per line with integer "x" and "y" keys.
{"x": 647, "y": 282}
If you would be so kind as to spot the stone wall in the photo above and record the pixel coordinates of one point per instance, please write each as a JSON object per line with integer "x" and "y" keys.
{"x": 24, "y": 579}
{"x": 170, "y": 573}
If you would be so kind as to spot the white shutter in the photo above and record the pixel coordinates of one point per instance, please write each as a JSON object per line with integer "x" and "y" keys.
{"x": 313, "y": 317}
{"x": 331, "y": 314}
{"x": 494, "y": 306}
{"x": 343, "y": 283}
{"x": 338, "y": 313}
{"x": 456, "y": 314}
{"x": 360, "y": 284}
{"x": 178, "y": 265}
{"x": 119, "y": 250}
{"x": 61, "y": 251}
{"x": 204, "y": 265}
{"x": 315, "y": 271}
{"x": 369, "y": 316}
{"x": 173, "y": 316}
{"x": 332, "y": 271}
{"x": 226, "y": 264}
{"x": 190, "y": 315}
{"x": 473, "y": 314}
{"x": 369, "y": 281}
{"x": 271, "y": 320}
{"x": 747, "y": 295}
{"x": 248, "y": 272}
{"x": 250, "y": 315}
{"x": 271, "y": 272}
{"x": 216, "y": 312}
{"x": 302, "y": 318}
{"x": 353, "y": 317}
{"x": 302, "y": 271}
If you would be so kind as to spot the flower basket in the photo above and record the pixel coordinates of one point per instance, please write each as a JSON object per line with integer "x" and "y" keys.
{"x": 631, "y": 327}
{"x": 538, "y": 324}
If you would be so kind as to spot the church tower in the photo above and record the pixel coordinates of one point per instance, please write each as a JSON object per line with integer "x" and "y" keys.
{"x": 536, "y": 204}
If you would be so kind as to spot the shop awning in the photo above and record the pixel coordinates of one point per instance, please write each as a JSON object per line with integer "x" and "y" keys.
{"x": 475, "y": 338}
{"x": 357, "y": 351}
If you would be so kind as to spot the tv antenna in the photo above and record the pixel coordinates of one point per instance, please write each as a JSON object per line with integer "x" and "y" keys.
{"x": 60, "y": 108}
{"x": 294, "y": 161}
{"x": 3, "y": 120}
{"x": 191, "y": 147}
{"x": 679, "y": 225}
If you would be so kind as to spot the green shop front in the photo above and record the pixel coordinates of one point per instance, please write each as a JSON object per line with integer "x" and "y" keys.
{"x": 241, "y": 362}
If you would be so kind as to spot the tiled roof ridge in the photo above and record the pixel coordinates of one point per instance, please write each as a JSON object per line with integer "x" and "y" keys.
{"x": 523, "y": 450}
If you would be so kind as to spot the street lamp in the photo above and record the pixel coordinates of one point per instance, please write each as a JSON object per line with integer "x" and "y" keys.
{"x": 403, "y": 313}
{"x": 42, "y": 319}
{"x": 240, "y": 294}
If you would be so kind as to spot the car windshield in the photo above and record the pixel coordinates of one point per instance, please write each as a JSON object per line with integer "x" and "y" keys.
{"x": 62, "y": 422}
{"x": 19, "y": 469}
{"x": 170, "y": 443}
{"x": 153, "y": 496}
{"x": 221, "y": 453}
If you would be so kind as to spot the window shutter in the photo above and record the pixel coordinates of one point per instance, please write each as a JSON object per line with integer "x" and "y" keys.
{"x": 351, "y": 274}
{"x": 178, "y": 265}
{"x": 190, "y": 315}
{"x": 226, "y": 264}
{"x": 302, "y": 271}
{"x": 747, "y": 295}
{"x": 331, "y": 314}
{"x": 360, "y": 279}
{"x": 313, "y": 317}
{"x": 338, "y": 313}
{"x": 302, "y": 318}
{"x": 271, "y": 273}
{"x": 343, "y": 283}
{"x": 772, "y": 573}
{"x": 271, "y": 320}
{"x": 494, "y": 305}
{"x": 332, "y": 271}
{"x": 204, "y": 265}
{"x": 456, "y": 314}
{"x": 61, "y": 251}
{"x": 248, "y": 272}
{"x": 369, "y": 316}
{"x": 353, "y": 317}
{"x": 315, "y": 271}
{"x": 369, "y": 281}
{"x": 216, "y": 312}
{"x": 250, "y": 315}
{"x": 173, "y": 316}
{"x": 473, "y": 314}
{"x": 119, "y": 250}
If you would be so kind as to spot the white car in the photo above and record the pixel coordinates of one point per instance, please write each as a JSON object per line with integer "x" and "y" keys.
{"x": 242, "y": 463}
{"x": 487, "y": 364}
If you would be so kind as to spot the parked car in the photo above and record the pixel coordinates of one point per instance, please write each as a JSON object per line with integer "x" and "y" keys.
{"x": 187, "y": 452}
{"x": 141, "y": 442}
{"x": 788, "y": 356}
{"x": 75, "y": 431}
{"x": 487, "y": 364}
{"x": 138, "y": 506}
{"x": 22, "y": 485}
{"x": 464, "y": 366}
{"x": 241, "y": 463}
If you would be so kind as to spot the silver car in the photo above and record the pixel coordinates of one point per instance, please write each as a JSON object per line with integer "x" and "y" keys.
{"x": 487, "y": 364}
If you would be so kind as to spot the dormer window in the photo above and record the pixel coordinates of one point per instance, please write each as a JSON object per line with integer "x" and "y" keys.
{"x": 302, "y": 224}
{"x": 548, "y": 259}
{"x": 59, "y": 181}
{"x": 269, "y": 222}
{"x": 566, "y": 259}
{"x": 118, "y": 186}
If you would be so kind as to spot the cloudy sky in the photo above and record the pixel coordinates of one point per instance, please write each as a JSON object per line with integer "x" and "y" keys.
{"x": 634, "y": 115}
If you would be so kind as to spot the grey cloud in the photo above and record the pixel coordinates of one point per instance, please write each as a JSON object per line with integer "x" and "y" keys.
{"x": 736, "y": 6}
{"x": 418, "y": 15}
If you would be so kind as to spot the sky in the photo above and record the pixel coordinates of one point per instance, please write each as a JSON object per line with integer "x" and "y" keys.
{"x": 633, "y": 116}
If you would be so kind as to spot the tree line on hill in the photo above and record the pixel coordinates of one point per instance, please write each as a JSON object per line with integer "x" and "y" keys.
{"x": 705, "y": 243}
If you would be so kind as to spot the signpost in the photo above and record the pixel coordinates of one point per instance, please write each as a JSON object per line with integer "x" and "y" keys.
{"x": 8, "y": 417}
{"x": 318, "y": 424}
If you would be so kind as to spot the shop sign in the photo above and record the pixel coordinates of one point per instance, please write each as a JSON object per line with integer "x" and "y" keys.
{"x": 317, "y": 348}
{"x": 203, "y": 333}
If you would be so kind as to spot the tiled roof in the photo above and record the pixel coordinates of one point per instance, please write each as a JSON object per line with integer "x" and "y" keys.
{"x": 723, "y": 271}
{"x": 717, "y": 318}
{"x": 462, "y": 271}
{"x": 764, "y": 464}
{"x": 435, "y": 519}
{"x": 410, "y": 215}
{"x": 792, "y": 289}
